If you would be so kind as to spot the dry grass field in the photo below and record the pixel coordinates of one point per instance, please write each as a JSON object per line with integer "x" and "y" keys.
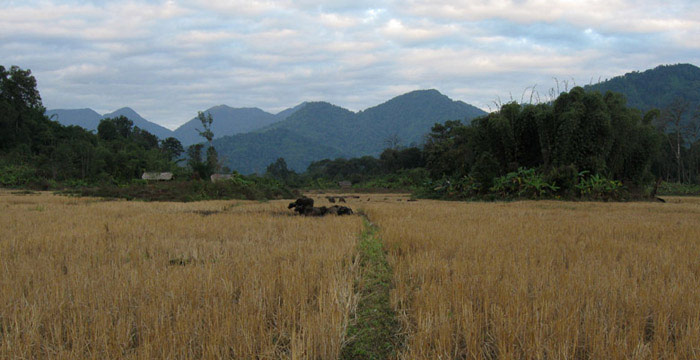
{"x": 545, "y": 280}
{"x": 84, "y": 278}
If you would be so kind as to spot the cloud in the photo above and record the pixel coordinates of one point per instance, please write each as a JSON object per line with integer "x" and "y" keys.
{"x": 168, "y": 59}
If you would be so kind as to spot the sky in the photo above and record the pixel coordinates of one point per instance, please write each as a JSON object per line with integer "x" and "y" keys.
{"x": 169, "y": 59}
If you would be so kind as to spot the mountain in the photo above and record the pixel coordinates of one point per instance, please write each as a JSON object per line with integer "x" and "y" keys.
{"x": 230, "y": 121}
{"x": 287, "y": 112}
{"x": 319, "y": 130}
{"x": 408, "y": 117}
{"x": 656, "y": 88}
{"x": 253, "y": 152}
{"x": 90, "y": 119}
{"x": 153, "y": 128}
{"x": 85, "y": 118}
{"x": 249, "y": 139}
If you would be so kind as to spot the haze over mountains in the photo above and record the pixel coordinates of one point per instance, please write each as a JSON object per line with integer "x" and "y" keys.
{"x": 249, "y": 139}
{"x": 319, "y": 130}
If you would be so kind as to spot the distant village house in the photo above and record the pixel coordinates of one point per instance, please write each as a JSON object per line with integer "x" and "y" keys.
{"x": 157, "y": 176}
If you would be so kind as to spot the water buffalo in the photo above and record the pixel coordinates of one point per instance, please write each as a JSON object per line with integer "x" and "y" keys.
{"x": 305, "y": 206}
{"x": 302, "y": 205}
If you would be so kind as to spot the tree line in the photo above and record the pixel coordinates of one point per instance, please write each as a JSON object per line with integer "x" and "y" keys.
{"x": 33, "y": 148}
{"x": 582, "y": 144}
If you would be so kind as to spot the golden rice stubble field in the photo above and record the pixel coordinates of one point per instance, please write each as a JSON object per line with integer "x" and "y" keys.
{"x": 84, "y": 278}
{"x": 545, "y": 280}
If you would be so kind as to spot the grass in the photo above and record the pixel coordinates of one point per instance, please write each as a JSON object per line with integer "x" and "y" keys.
{"x": 121, "y": 279}
{"x": 547, "y": 279}
{"x": 89, "y": 278}
{"x": 373, "y": 331}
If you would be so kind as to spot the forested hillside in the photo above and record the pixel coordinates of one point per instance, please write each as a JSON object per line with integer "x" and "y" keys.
{"x": 320, "y": 130}
{"x": 656, "y": 88}
{"x": 253, "y": 152}
{"x": 229, "y": 121}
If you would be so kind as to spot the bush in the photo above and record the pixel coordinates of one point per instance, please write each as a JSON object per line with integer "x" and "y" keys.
{"x": 525, "y": 183}
{"x": 677, "y": 189}
{"x": 566, "y": 178}
{"x": 598, "y": 187}
{"x": 485, "y": 169}
{"x": 16, "y": 175}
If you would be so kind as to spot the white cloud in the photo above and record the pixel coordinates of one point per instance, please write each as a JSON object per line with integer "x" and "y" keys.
{"x": 169, "y": 59}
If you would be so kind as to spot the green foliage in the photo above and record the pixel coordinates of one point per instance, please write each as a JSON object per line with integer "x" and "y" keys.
{"x": 16, "y": 175}
{"x": 403, "y": 179}
{"x": 656, "y": 88}
{"x": 31, "y": 145}
{"x": 485, "y": 169}
{"x": 678, "y": 189}
{"x": 524, "y": 183}
{"x": 565, "y": 178}
{"x": 172, "y": 148}
{"x": 598, "y": 187}
{"x": 206, "y": 121}
{"x": 579, "y": 131}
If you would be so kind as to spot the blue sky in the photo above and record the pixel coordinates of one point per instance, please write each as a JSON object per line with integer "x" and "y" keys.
{"x": 169, "y": 59}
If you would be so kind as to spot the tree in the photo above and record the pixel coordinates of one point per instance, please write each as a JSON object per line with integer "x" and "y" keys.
{"x": 107, "y": 130}
{"x": 144, "y": 138}
{"x": 278, "y": 170}
{"x": 21, "y": 110}
{"x": 671, "y": 121}
{"x": 206, "y": 121}
{"x": 195, "y": 163}
{"x": 172, "y": 148}
{"x": 204, "y": 169}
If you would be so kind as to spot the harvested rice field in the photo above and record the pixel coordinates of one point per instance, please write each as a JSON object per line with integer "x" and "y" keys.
{"x": 86, "y": 278}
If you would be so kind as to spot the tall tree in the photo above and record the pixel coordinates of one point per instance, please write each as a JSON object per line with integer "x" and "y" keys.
{"x": 671, "y": 121}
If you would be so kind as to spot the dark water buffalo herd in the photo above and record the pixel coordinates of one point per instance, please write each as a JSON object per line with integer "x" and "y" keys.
{"x": 305, "y": 206}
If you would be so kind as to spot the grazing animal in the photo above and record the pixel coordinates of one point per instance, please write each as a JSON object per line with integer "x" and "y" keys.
{"x": 331, "y": 199}
{"x": 305, "y": 206}
{"x": 341, "y": 199}
{"x": 318, "y": 211}
{"x": 302, "y": 205}
{"x": 340, "y": 210}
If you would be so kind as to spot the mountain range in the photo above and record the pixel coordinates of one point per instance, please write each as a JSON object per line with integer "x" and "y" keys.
{"x": 248, "y": 139}
{"x": 319, "y": 130}
{"x": 90, "y": 119}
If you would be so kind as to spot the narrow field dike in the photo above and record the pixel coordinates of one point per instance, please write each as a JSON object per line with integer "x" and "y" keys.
{"x": 373, "y": 332}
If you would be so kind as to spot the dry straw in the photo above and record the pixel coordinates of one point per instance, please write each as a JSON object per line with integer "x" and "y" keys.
{"x": 545, "y": 280}
{"x": 82, "y": 278}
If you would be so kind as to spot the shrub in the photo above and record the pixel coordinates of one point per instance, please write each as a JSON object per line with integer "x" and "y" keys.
{"x": 598, "y": 187}
{"x": 524, "y": 183}
{"x": 16, "y": 175}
